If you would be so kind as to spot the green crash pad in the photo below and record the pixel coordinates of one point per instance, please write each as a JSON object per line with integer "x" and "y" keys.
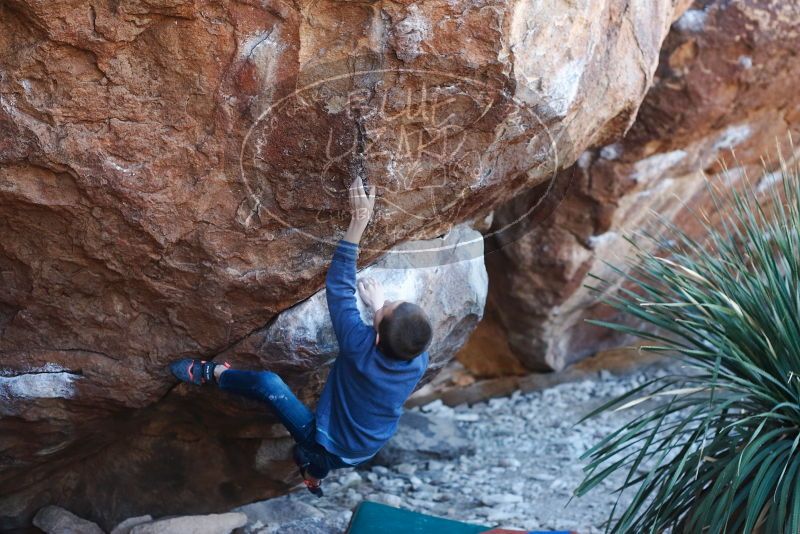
{"x": 371, "y": 517}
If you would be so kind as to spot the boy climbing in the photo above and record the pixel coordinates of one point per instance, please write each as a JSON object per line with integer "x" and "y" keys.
{"x": 377, "y": 368}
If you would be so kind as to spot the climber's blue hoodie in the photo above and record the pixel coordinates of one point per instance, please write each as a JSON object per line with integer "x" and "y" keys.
{"x": 363, "y": 398}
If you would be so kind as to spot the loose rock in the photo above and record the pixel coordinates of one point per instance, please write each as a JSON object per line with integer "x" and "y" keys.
{"x": 56, "y": 520}
{"x": 705, "y": 109}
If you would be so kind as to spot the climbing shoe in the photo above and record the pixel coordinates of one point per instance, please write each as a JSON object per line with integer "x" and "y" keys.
{"x": 314, "y": 485}
{"x": 194, "y": 371}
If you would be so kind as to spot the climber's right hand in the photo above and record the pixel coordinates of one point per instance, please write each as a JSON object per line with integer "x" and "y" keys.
{"x": 361, "y": 208}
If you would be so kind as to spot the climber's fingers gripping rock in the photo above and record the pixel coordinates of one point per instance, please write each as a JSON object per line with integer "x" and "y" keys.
{"x": 361, "y": 202}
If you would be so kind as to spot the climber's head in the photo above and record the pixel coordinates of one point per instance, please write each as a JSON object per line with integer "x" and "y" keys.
{"x": 404, "y": 330}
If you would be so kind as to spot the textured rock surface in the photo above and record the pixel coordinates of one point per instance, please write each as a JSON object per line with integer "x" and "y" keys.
{"x": 132, "y": 235}
{"x": 725, "y": 82}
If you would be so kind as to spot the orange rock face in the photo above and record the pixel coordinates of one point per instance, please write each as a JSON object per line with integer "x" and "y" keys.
{"x": 724, "y": 85}
{"x": 172, "y": 176}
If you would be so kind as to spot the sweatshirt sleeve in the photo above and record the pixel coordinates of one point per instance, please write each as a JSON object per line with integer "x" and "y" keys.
{"x": 340, "y": 292}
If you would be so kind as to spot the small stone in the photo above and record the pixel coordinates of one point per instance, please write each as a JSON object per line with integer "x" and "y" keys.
{"x": 497, "y": 403}
{"x": 500, "y": 515}
{"x": 434, "y": 465}
{"x": 509, "y": 462}
{"x": 446, "y": 412}
{"x": 388, "y": 499}
{"x": 350, "y": 479}
{"x": 422, "y": 503}
{"x": 393, "y": 483}
{"x": 406, "y": 469}
{"x": 501, "y": 498}
{"x": 482, "y": 512}
{"x": 432, "y": 406}
{"x": 57, "y": 520}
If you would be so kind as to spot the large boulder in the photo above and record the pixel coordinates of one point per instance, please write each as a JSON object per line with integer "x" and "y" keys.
{"x": 724, "y": 85}
{"x": 172, "y": 176}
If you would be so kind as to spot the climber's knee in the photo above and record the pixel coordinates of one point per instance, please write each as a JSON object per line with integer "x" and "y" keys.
{"x": 270, "y": 384}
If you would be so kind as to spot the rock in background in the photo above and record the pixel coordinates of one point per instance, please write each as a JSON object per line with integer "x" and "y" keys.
{"x": 172, "y": 175}
{"x": 725, "y": 82}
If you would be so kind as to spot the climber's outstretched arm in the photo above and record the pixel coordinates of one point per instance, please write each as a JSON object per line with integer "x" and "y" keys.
{"x": 340, "y": 284}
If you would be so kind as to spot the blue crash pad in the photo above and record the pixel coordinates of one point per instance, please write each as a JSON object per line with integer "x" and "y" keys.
{"x": 371, "y": 517}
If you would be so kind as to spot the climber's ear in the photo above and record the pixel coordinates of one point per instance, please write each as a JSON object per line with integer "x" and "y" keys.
{"x": 377, "y": 338}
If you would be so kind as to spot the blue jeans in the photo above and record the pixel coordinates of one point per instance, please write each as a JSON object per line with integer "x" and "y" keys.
{"x": 267, "y": 387}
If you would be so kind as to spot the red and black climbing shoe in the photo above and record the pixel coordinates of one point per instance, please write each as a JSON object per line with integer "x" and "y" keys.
{"x": 312, "y": 484}
{"x": 195, "y": 371}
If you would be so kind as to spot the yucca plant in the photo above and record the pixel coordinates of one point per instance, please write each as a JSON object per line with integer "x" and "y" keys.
{"x": 717, "y": 448}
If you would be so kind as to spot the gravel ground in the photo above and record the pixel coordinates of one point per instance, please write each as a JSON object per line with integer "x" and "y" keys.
{"x": 522, "y": 475}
